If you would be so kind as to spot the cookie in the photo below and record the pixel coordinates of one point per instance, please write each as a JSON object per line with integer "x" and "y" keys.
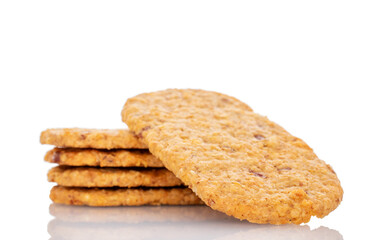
{"x": 102, "y": 158}
{"x": 112, "y": 177}
{"x": 123, "y": 196}
{"x": 236, "y": 161}
{"x": 91, "y": 138}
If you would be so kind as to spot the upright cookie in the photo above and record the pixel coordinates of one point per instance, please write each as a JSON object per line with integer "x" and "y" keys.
{"x": 112, "y": 177}
{"x": 102, "y": 158}
{"x": 104, "y": 197}
{"x": 236, "y": 161}
{"x": 91, "y": 138}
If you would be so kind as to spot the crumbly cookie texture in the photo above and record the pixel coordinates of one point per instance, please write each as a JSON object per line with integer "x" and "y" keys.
{"x": 104, "y": 197}
{"x": 112, "y": 177}
{"x": 91, "y": 138}
{"x": 236, "y": 161}
{"x": 102, "y": 158}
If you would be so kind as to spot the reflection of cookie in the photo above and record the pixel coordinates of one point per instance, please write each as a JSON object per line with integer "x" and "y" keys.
{"x": 112, "y": 177}
{"x": 123, "y": 196}
{"x": 238, "y": 162}
{"x": 91, "y": 138}
{"x": 285, "y": 232}
{"x": 217, "y": 230}
{"x": 102, "y": 158}
{"x": 149, "y": 214}
{"x": 62, "y": 230}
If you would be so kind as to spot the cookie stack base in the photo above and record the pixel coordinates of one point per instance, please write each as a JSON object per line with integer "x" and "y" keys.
{"x": 103, "y": 197}
{"x": 101, "y": 167}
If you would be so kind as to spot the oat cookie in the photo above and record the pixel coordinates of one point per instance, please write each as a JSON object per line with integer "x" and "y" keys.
{"x": 91, "y": 138}
{"x": 236, "y": 161}
{"x": 112, "y": 177}
{"x": 102, "y": 158}
{"x": 123, "y": 196}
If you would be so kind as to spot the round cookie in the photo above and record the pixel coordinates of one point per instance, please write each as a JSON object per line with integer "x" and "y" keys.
{"x": 104, "y": 197}
{"x": 91, "y": 138}
{"x": 102, "y": 158}
{"x": 236, "y": 161}
{"x": 112, "y": 177}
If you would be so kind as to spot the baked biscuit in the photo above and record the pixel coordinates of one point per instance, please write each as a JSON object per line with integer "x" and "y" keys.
{"x": 102, "y": 158}
{"x": 112, "y": 177}
{"x": 103, "y": 197}
{"x": 236, "y": 161}
{"x": 91, "y": 138}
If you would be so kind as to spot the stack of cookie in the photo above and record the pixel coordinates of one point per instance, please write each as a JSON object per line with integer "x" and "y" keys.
{"x": 109, "y": 168}
{"x": 236, "y": 161}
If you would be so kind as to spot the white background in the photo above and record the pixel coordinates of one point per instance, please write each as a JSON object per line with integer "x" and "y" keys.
{"x": 318, "y": 68}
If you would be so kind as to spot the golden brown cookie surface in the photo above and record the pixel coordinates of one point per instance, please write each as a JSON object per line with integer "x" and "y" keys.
{"x": 112, "y": 177}
{"x": 123, "y": 196}
{"x": 236, "y": 161}
{"x": 91, "y": 138}
{"x": 102, "y": 158}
